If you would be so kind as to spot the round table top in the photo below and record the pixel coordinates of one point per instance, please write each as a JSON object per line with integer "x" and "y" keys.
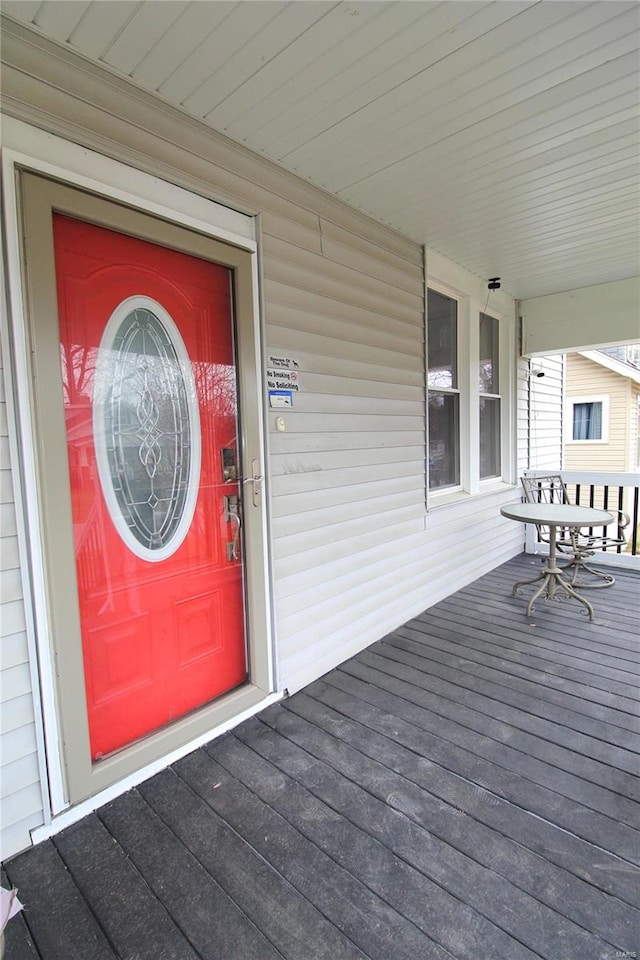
{"x": 557, "y": 514}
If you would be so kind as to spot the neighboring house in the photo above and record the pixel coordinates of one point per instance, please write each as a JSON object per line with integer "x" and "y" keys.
{"x": 602, "y": 412}
{"x": 196, "y": 339}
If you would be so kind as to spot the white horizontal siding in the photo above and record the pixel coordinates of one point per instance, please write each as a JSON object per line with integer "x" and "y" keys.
{"x": 20, "y": 790}
{"x": 546, "y": 406}
{"x": 354, "y": 552}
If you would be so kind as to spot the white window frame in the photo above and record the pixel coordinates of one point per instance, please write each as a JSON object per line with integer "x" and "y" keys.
{"x": 469, "y": 309}
{"x": 461, "y": 376}
{"x": 491, "y": 396}
{"x": 602, "y": 398}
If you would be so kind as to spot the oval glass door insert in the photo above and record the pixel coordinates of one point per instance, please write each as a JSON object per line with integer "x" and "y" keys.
{"x": 146, "y": 428}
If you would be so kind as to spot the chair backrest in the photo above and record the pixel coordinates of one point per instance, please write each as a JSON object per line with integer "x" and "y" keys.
{"x": 552, "y": 489}
{"x": 549, "y": 489}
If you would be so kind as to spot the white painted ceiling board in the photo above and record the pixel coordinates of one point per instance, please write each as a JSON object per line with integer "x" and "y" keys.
{"x": 24, "y": 11}
{"x": 315, "y": 91}
{"x": 59, "y": 20}
{"x": 376, "y": 99}
{"x": 239, "y": 25}
{"x": 356, "y": 79}
{"x": 541, "y": 116}
{"x": 279, "y": 32}
{"x": 100, "y": 25}
{"x": 246, "y": 110}
{"x": 194, "y": 24}
{"x": 477, "y": 102}
{"x": 146, "y": 28}
{"x": 504, "y": 135}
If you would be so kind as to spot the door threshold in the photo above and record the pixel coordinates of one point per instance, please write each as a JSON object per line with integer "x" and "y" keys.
{"x": 73, "y": 814}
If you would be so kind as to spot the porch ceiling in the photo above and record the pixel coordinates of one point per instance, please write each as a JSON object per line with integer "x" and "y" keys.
{"x": 504, "y": 135}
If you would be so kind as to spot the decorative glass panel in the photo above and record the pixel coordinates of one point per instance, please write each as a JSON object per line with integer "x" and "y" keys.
{"x": 146, "y": 428}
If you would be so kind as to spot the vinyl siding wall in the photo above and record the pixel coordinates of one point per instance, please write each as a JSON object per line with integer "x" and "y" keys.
{"x": 355, "y": 553}
{"x": 545, "y": 403}
{"x": 20, "y": 789}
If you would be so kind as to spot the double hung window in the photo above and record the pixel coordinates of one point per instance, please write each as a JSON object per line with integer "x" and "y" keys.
{"x": 443, "y": 392}
{"x": 489, "y": 397}
{"x": 468, "y": 440}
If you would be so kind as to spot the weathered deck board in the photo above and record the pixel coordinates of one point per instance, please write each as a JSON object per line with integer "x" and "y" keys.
{"x": 465, "y": 789}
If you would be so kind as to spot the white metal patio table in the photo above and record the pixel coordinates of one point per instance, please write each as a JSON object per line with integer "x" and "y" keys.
{"x": 554, "y": 515}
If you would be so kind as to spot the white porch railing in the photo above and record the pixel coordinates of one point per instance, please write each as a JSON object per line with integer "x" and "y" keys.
{"x": 606, "y": 491}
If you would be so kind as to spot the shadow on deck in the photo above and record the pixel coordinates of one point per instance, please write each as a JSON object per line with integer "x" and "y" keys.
{"x": 465, "y": 788}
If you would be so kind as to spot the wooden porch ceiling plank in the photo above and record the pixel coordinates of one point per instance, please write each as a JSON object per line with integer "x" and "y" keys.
{"x": 393, "y": 774}
{"x": 600, "y": 704}
{"x": 513, "y": 752}
{"x": 206, "y": 915}
{"x": 515, "y": 775}
{"x": 59, "y": 920}
{"x": 602, "y": 764}
{"x": 134, "y": 921}
{"x": 293, "y": 925}
{"x": 410, "y": 894}
{"x": 495, "y": 684}
{"x": 471, "y": 783}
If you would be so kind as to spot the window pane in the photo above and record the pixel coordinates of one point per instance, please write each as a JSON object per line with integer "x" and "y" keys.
{"x": 489, "y": 438}
{"x": 443, "y": 341}
{"x": 444, "y": 461}
{"x": 488, "y": 354}
{"x": 587, "y": 421}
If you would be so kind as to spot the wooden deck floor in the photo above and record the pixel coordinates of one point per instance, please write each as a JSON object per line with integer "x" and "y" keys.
{"x": 466, "y": 788}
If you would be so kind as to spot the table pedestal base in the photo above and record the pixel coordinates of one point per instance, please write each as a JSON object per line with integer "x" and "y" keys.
{"x": 552, "y": 580}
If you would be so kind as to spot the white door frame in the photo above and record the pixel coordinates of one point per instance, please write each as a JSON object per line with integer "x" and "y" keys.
{"x": 29, "y": 148}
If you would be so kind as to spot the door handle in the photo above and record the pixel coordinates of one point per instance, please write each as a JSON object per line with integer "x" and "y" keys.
{"x": 232, "y": 515}
{"x": 256, "y": 479}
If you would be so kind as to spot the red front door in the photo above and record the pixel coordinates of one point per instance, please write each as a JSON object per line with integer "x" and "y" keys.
{"x": 149, "y": 379}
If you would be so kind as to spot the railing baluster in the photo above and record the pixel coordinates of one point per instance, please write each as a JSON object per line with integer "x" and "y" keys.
{"x": 620, "y": 508}
{"x": 605, "y": 490}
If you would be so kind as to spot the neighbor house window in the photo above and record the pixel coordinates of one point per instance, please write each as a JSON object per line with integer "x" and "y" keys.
{"x": 588, "y": 420}
{"x": 443, "y": 391}
{"x": 489, "y": 397}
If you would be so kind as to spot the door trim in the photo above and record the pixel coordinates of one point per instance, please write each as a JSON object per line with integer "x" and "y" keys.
{"x": 71, "y": 777}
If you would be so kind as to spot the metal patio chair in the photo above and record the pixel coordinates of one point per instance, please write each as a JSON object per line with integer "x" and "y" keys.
{"x": 578, "y": 543}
